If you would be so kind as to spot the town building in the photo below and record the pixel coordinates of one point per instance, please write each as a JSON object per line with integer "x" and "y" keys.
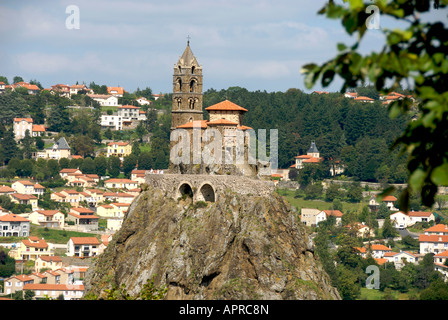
{"x": 59, "y": 150}
{"x": 47, "y": 218}
{"x": 434, "y": 240}
{"x": 120, "y": 184}
{"x": 13, "y": 225}
{"x": 105, "y": 100}
{"x": 31, "y": 249}
{"x": 83, "y": 218}
{"x": 119, "y": 149}
{"x": 83, "y": 247}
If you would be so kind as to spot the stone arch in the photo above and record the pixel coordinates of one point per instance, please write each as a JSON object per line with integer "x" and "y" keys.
{"x": 206, "y": 192}
{"x": 193, "y": 84}
{"x": 186, "y": 189}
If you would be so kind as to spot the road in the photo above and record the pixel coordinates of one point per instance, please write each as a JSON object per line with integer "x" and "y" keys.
{"x": 405, "y": 232}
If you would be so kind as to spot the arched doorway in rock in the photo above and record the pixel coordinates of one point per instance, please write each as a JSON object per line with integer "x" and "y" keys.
{"x": 207, "y": 193}
{"x": 186, "y": 190}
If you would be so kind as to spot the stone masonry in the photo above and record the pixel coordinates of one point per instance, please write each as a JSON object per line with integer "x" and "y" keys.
{"x": 204, "y": 187}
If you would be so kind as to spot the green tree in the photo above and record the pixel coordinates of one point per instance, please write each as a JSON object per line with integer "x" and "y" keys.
{"x": 59, "y": 119}
{"x": 100, "y": 165}
{"x": 7, "y": 265}
{"x": 17, "y": 79}
{"x": 388, "y": 229}
{"x": 114, "y": 166}
{"x": 88, "y": 166}
{"x": 333, "y": 192}
{"x": 314, "y": 191}
{"x": 413, "y": 53}
{"x": 354, "y": 192}
{"x": 9, "y": 147}
{"x": 437, "y": 290}
{"x": 27, "y": 145}
{"x": 347, "y": 283}
{"x": 129, "y": 164}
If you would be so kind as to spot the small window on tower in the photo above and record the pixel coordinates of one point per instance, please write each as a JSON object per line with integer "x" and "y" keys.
{"x": 192, "y": 70}
{"x": 192, "y": 86}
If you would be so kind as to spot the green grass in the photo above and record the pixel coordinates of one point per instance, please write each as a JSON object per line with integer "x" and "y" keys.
{"x": 373, "y": 294}
{"x": 59, "y": 236}
{"x": 318, "y": 204}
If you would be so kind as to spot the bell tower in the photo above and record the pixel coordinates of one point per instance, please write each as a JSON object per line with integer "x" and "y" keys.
{"x": 187, "y": 90}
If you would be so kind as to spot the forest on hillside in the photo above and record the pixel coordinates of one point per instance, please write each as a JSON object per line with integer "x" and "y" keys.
{"x": 357, "y": 134}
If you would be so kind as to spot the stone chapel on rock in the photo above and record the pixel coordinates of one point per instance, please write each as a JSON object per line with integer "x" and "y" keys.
{"x": 226, "y": 117}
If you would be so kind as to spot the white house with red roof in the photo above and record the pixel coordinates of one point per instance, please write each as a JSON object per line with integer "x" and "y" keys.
{"x": 106, "y": 100}
{"x": 389, "y": 200}
{"x": 83, "y": 218}
{"x": 400, "y": 259}
{"x": 83, "y": 247}
{"x": 116, "y": 91}
{"x": 128, "y": 112}
{"x": 13, "y": 225}
{"x": 377, "y": 251}
{"x": 434, "y": 239}
{"x": 364, "y": 99}
{"x": 21, "y": 125}
{"x": 32, "y": 88}
{"x": 441, "y": 265}
{"x": 47, "y": 218}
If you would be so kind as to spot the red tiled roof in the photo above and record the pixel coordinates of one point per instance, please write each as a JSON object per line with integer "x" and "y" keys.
{"x": 222, "y": 122}
{"x": 364, "y": 98}
{"x": 38, "y": 128}
{"x": 335, "y": 213}
{"x": 202, "y": 124}
{"x": 225, "y": 105}
{"x": 120, "y": 181}
{"x": 312, "y": 160}
{"x": 53, "y": 287}
{"x": 118, "y": 143}
{"x": 119, "y": 90}
{"x": 82, "y": 210}
{"x": 24, "y": 119}
{"x": 41, "y": 243}
{"x": 85, "y": 240}
{"x": 21, "y": 196}
{"x": 48, "y": 212}
{"x": 68, "y": 170}
{"x": 433, "y": 238}
{"x": 389, "y": 198}
{"x": 128, "y": 107}
{"x": 438, "y": 228}
{"x": 244, "y": 128}
{"x": 420, "y": 214}
{"x": 13, "y": 218}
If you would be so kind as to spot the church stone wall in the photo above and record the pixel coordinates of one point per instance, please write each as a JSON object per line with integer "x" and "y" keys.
{"x": 202, "y": 184}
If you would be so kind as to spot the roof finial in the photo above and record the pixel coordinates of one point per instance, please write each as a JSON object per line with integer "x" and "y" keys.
{"x": 188, "y": 40}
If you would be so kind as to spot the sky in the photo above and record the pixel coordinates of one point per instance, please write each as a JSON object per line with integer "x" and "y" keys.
{"x": 255, "y": 44}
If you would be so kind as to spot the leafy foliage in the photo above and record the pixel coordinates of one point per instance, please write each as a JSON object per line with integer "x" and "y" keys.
{"x": 415, "y": 54}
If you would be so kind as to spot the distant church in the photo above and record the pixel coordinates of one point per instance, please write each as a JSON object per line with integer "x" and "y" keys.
{"x": 226, "y": 117}
{"x": 312, "y": 156}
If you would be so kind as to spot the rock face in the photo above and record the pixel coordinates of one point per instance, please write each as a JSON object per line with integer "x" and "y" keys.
{"x": 239, "y": 247}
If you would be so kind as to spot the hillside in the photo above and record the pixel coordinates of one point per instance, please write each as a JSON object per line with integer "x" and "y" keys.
{"x": 235, "y": 248}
